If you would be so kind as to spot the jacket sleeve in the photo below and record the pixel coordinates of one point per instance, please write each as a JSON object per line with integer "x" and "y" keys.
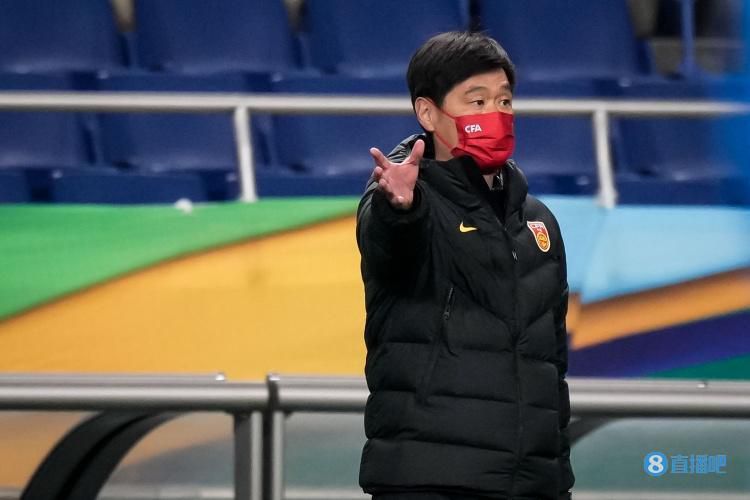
{"x": 567, "y": 477}
{"x": 388, "y": 237}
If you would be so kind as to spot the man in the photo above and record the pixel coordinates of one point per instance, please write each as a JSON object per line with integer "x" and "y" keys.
{"x": 466, "y": 296}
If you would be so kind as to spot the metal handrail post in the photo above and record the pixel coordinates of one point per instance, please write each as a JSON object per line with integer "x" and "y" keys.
{"x": 245, "y": 159}
{"x": 275, "y": 430}
{"x": 248, "y": 456}
{"x": 278, "y": 432}
{"x": 607, "y": 192}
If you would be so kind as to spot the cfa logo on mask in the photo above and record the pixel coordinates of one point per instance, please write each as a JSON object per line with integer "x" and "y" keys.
{"x": 472, "y": 128}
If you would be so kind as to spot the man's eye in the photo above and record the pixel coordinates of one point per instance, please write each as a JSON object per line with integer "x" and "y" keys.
{"x": 506, "y": 102}
{"x": 479, "y": 102}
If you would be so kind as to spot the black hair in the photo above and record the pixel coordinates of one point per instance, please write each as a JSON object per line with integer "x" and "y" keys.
{"x": 448, "y": 59}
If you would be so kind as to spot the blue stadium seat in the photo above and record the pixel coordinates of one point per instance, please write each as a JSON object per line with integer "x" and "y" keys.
{"x": 39, "y": 142}
{"x": 329, "y": 154}
{"x": 376, "y": 37}
{"x": 40, "y": 138}
{"x": 682, "y": 160}
{"x": 679, "y": 161}
{"x": 556, "y": 154}
{"x": 42, "y": 36}
{"x": 197, "y": 36}
{"x": 14, "y": 187}
{"x": 125, "y": 188}
{"x": 555, "y": 40}
{"x": 168, "y": 142}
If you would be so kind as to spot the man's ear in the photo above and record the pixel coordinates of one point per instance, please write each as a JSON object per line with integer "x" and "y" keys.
{"x": 425, "y": 111}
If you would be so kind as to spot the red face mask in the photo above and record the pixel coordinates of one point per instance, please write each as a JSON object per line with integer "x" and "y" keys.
{"x": 486, "y": 137}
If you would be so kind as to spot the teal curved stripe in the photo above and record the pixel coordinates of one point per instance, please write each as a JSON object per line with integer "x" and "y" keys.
{"x": 735, "y": 368}
{"x": 631, "y": 249}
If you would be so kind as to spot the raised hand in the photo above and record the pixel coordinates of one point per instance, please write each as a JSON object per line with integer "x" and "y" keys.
{"x": 397, "y": 180}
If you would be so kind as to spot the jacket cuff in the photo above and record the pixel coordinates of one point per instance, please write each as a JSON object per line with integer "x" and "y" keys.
{"x": 390, "y": 216}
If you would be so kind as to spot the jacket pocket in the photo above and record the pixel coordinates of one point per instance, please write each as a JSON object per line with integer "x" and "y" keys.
{"x": 439, "y": 341}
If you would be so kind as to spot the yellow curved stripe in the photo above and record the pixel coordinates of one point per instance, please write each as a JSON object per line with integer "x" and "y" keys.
{"x": 660, "y": 308}
{"x": 287, "y": 303}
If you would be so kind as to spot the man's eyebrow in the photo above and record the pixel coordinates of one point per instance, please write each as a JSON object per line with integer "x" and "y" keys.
{"x": 504, "y": 86}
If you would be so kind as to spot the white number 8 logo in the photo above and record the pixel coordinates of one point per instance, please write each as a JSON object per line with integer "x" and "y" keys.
{"x": 655, "y": 464}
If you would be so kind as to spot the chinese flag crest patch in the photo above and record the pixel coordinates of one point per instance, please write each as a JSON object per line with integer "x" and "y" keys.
{"x": 539, "y": 230}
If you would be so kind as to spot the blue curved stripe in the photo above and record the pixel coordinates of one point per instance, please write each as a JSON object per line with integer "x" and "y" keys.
{"x": 681, "y": 346}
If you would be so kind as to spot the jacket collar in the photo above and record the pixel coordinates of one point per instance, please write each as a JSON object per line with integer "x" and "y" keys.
{"x": 457, "y": 178}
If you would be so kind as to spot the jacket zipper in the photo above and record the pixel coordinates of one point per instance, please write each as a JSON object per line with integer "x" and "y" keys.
{"x": 442, "y": 337}
{"x": 446, "y": 317}
{"x": 515, "y": 332}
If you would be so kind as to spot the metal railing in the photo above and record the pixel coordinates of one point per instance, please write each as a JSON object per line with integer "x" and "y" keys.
{"x": 155, "y": 395}
{"x": 241, "y": 107}
{"x": 590, "y": 398}
{"x": 260, "y": 409}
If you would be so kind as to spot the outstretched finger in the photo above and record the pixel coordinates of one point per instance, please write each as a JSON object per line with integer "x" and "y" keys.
{"x": 380, "y": 159}
{"x": 416, "y": 153}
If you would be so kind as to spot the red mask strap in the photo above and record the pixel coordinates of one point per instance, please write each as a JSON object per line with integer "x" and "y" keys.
{"x": 440, "y": 137}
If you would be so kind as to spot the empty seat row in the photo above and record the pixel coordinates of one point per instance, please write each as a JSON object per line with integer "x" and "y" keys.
{"x": 327, "y": 155}
{"x": 104, "y": 186}
{"x": 201, "y": 144}
{"x": 546, "y": 38}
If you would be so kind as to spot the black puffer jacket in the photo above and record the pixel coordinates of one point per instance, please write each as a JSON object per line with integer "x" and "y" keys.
{"x": 466, "y": 339}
